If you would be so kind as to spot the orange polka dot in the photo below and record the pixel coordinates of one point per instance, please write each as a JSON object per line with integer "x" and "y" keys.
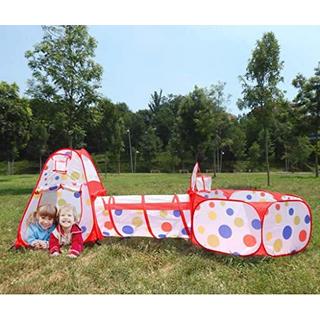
{"x": 211, "y": 204}
{"x": 302, "y": 235}
{"x": 249, "y": 240}
{"x": 108, "y": 225}
{"x": 166, "y": 226}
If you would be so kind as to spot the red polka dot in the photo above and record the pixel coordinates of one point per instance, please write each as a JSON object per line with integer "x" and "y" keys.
{"x": 262, "y": 194}
{"x": 302, "y": 235}
{"x": 108, "y": 225}
{"x": 211, "y": 204}
{"x": 216, "y": 192}
{"x": 198, "y": 208}
{"x": 278, "y": 206}
{"x": 166, "y": 226}
{"x": 249, "y": 240}
{"x": 46, "y": 167}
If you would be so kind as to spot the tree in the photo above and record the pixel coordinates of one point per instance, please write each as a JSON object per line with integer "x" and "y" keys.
{"x": 15, "y": 117}
{"x": 156, "y": 101}
{"x": 307, "y": 103}
{"x": 260, "y": 91}
{"x": 299, "y": 152}
{"x": 65, "y": 73}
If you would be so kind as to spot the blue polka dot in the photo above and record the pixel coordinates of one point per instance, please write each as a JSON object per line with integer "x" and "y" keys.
{"x": 57, "y": 177}
{"x": 287, "y": 232}
{"x": 236, "y": 254}
{"x": 230, "y": 212}
{"x": 45, "y": 179}
{"x": 106, "y": 233}
{"x": 307, "y": 219}
{"x": 249, "y": 196}
{"x": 225, "y": 231}
{"x": 83, "y": 229}
{"x": 45, "y": 173}
{"x": 176, "y": 213}
{"x": 206, "y": 196}
{"x": 127, "y": 230}
{"x": 184, "y": 231}
{"x": 77, "y": 194}
{"x": 118, "y": 212}
{"x": 161, "y": 236}
{"x": 53, "y": 188}
{"x": 291, "y": 211}
{"x": 256, "y": 224}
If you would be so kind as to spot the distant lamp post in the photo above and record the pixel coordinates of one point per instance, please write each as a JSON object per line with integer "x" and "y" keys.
{"x": 135, "y": 160}
{"x": 222, "y": 153}
{"x": 131, "y": 164}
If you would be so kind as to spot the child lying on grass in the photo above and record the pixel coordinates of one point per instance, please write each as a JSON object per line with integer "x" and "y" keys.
{"x": 41, "y": 224}
{"x": 67, "y": 232}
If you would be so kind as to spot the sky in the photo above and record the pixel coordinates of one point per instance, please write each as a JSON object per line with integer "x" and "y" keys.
{"x": 138, "y": 60}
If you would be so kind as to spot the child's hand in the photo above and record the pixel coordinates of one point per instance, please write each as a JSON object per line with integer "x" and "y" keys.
{"x": 55, "y": 254}
{"x": 36, "y": 244}
{"x": 43, "y": 244}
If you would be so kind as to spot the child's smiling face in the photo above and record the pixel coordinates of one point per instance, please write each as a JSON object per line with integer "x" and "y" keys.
{"x": 66, "y": 219}
{"x": 45, "y": 222}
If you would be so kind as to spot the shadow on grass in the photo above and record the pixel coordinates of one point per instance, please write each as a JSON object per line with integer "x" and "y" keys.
{"x": 187, "y": 248}
{"x": 15, "y": 191}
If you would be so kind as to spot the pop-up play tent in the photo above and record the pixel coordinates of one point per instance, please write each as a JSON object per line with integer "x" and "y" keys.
{"x": 237, "y": 222}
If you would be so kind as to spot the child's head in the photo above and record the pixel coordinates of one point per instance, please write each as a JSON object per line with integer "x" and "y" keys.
{"x": 46, "y": 215}
{"x": 67, "y": 216}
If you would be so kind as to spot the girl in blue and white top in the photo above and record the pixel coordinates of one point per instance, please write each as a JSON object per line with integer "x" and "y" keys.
{"x": 42, "y": 223}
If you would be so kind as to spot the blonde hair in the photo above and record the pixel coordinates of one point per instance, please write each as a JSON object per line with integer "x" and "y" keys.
{"x": 69, "y": 208}
{"x": 46, "y": 210}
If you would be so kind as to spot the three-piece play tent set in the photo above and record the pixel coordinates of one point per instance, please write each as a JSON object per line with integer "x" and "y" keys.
{"x": 238, "y": 222}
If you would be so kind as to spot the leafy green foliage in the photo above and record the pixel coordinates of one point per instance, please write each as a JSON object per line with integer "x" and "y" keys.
{"x": 64, "y": 73}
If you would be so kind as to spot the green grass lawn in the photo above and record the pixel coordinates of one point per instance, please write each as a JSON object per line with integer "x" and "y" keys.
{"x": 144, "y": 265}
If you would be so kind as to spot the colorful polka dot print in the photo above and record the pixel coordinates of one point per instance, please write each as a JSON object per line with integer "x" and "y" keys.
{"x": 227, "y": 226}
{"x": 286, "y": 228}
{"x": 212, "y": 194}
{"x": 252, "y": 196}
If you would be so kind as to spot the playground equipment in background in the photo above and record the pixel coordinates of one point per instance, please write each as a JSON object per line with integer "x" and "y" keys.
{"x": 238, "y": 222}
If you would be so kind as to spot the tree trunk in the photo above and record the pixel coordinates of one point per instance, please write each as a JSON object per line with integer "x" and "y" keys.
{"x": 119, "y": 164}
{"x": 218, "y": 162}
{"x": 316, "y": 159}
{"x": 9, "y": 168}
{"x": 40, "y": 164}
{"x": 214, "y": 163}
{"x": 266, "y": 136}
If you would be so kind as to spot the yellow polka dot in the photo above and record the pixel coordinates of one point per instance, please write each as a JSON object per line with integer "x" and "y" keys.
{"x": 64, "y": 176}
{"x": 238, "y": 222}
{"x": 278, "y": 218}
{"x": 59, "y": 193}
{"x": 277, "y": 245}
{"x": 163, "y": 213}
{"x": 269, "y": 236}
{"x": 75, "y": 175}
{"x": 212, "y": 215}
{"x": 62, "y": 202}
{"x": 139, "y": 212}
{"x": 88, "y": 202}
{"x": 201, "y": 229}
{"x": 137, "y": 222}
{"x": 36, "y": 195}
{"x": 213, "y": 240}
{"x": 222, "y": 203}
{"x": 286, "y": 204}
{"x": 106, "y": 212}
{"x": 296, "y": 220}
